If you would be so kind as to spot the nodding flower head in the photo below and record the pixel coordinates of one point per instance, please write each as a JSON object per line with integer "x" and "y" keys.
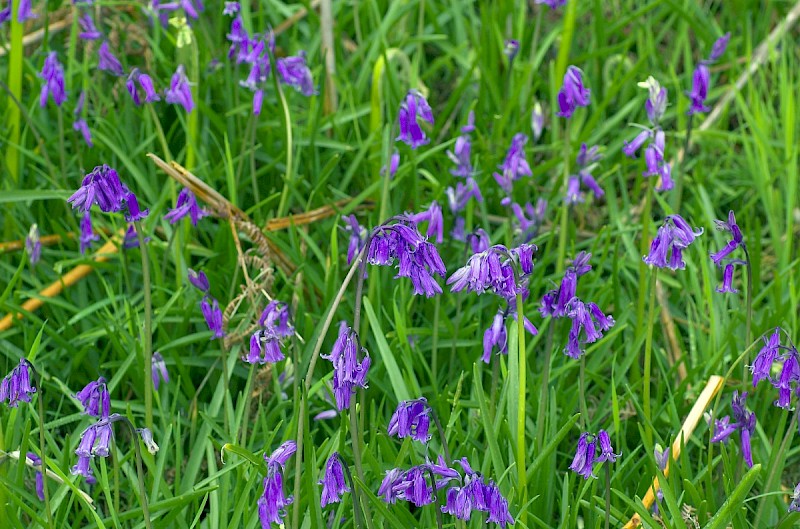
{"x": 179, "y": 91}
{"x": 95, "y": 398}
{"x": 186, "y": 205}
{"x": 586, "y": 453}
{"x": 666, "y": 249}
{"x": 413, "y": 108}
{"x": 719, "y": 47}
{"x": 53, "y": 75}
{"x": 294, "y": 72}
{"x": 213, "y": 316}
{"x": 108, "y": 61}
{"x": 199, "y": 280}
{"x": 573, "y": 93}
{"x": 273, "y": 502}
{"x": 701, "y": 78}
{"x": 102, "y": 187}
{"x": 744, "y": 421}
{"x": 412, "y": 418}
{"x": 16, "y": 386}
{"x": 276, "y": 317}
{"x": 492, "y": 270}
{"x": 333, "y": 482}
{"x": 159, "y": 370}
{"x": 348, "y": 372}
{"x": 515, "y": 166}
{"x": 433, "y": 216}
{"x": 358, "y": 236}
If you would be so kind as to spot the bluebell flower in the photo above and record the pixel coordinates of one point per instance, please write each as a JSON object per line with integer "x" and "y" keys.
{"x": 719, "y": 47}
{"x": 529, "y": 219}
{"x": 554, "y": 302}
{"x": 80, "y": 124}
{"x": 186, "y": 205}
{"x": 460, "y": 155}
{"x": 276, "y": 317}
{"x": 744, "y": 422}
{"x": 459, "y": 196}
{"x": 537, "y": 121}
{"x": 294, "y": 72}
{"x": 95, "y": 441}
{"x": 413, "y": 108}
{"x": 213, "y": 316}
{"x": 573, "y": 93}
{"x": 391, "y": 168}
{"x": 53, "y": 75}
{"x": 95, "y": 399}
{"x": 701, "y": 78}
{"x": 134, "y": 213}
{"x": 553, "y": 4}
{"x": 24, "y": 11}
{"x": 787, "y": 381}
{"x": 16, "y": 386}
{"x": 89, "y": 31}
{"x": 5, "y": 14}
{"x": 103, "y": 187}
{"x": 179, "y": 91}
{"x": 433, "y": 216}
{"x": 37, "y": 462}
{"x": 108, "y": 61}
{"x": 147, "y": 439}
{"x": 273, "y": 501}
{"x": 159, "y": 370}
{"x": 672, "y": 238}
{"x": 388, "y": 488}
{"x": 231, "y": 8}
{"x": 588, "y": 324}
{"x": 515, "y": 166}
{"x": 479, "y": 241}
{"x": 87, "y": 235}
{"x": 495, "y": 337}
{"x": 510, "y": 49}
{"x": 358, "y": 236}
{"x": 412, "y": 418}
{"x": 348, "y": 372}
{"x": 586, "y": 159}
{"x": 199, "y": 280}
{"x": 794, "y": 506}
{"x": 586, "y": 453}
{"x": 146, "y": 84}
{"x": 492, "y": 271}
{"x": 33, "y": 245}
{"x": 333, "y": 482}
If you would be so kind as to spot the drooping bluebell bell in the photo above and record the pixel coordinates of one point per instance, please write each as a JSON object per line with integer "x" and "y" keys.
{"x": 294, "y": 72}
{"x": 412, "y": 418}
{"x": 186, "y": 205}
{"x": 460, "y": 155}
{"x": 413, "y": 485}
{"x": 159, "y": 370}
{"x": 493, "y": 271}
{"x": 53, "y": 75}
{"x": 417, "y": 259}
{"x": 573, "y": 93}
{"x": 131, "y": 239}
{"x": 719, "y": 47}
{"x": 276, "y": 317}
{"x": 588, "y": 324}
{"x": 16, "y": 386}
{"x": 5, "y": 14}
{"x": 24, "y": 11}
{"x": 459, "y": 196}
{"x": 192, "y": 8}
{"x": 737, "y": 240}
{"x": 88, "y": 29}
{"x": 529, "y": 219}
{"x": 479, "y": 241}
{"x": 33, "y": 245}
{"x": 762, "y": 365}
{"x": 80, "y": 124}
{"x": 273, "y": 501}
{"x": 239, "y": 39}
{"x": 348, "y": 372}
{"x": 555, "y": 301}
{"x": 510, "y": 49}
{"x": 95, "y": 441}
{"x": 586, "y": 160}
{"x": 265, "y": 347}
{"x": 515, "y": 165}
{"x": 788, "y": 379}
{"x": 333, "y": 482}
{"x": 586, "y": 453}
{"x": 95, "y": 399}
{"x": 134, "y": 213}
{"x": 146, "y": 84}
{"x": 199, "y": 280}
{"x": 231, "y": 8}
{"x": 744, "y": 422}
{"x": 179, "y": 91}
{"x": 433, "y": 216}
{"x": 358, "y": 236}
{"x": 553, "y": 4}
{"x": 654, "y": 154}
{"x": 413, "y": 108}
{"x": 674, "y": 236}
{"x": 108, "y": 61}
{"x": 701, "y": 78}
{"x": 36, "y": 461}
{"x": 472, "y": 494}
{"x": 147, "y": 439}
{"x": 103, "y": 187}
{"x": 213, "y": 316}
{"x": 87, "y": 235}
{"x": 495, "y": 337}
{"x": 390, "y": 169}
{"x": 537, "y": 121}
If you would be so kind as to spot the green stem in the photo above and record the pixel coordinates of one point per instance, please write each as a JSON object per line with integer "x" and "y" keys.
{"x": 678, "y": 173}
{"x": 147, "y": 352}
{"x": 582, "y": 383}
{"x": 287, "y": 123}
{"x": 435, "y": 493}
{"x": 523, "y": 373}
{"x": 648, "y": 354}
{"x": 544, "y": 388}
{"x": 356, "y": 510}
{"x": 139, "y": 470}
{"x": 775, "y": 464}
{"x": 643, "y": 247}
{"x": 435, "y": 346}
{"x": 355, "y": 436}
{"x": 42, "y": 454}
{"x": 160, "y": 132}
{"x": 749, "y": 317}
{"x": 15, "y": 57}
{"x": 562, "y": 232}
{"x": 608, "y": 496}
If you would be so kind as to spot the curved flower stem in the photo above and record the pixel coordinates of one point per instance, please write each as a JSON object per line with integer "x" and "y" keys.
{"x": 42, "y": 455}
{"x": 523, "y": 373}
{"x": 648, "y": 354}
{"x": 442, "y": 438}
{"x": 139, "y": 470}
{"x": 435, "y": 494}
{"x": 356, "y": 440}
{"x": 356, "y": 510}
{"x": 749, "y": 317}
{"x": 308, "y": 380}
{"x": 643, "y": 246}
{"x": 147, "y": 352}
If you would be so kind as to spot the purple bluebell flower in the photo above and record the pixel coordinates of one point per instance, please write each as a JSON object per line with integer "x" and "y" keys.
{"x": 95, "y": 399}
{"x": 53, "y": 75}
{"x": 16, "y": 386}
{"x": 333, "y": 482}
{"x": 553, "y": 4}
{"x": 433, "y": 216}
{"x": 744, "y": 422}
{"x": 147, "y": 439}
{"x": 179, "y": 91}
{"x": 737, "y": 241}
{"x": 459, "y": 196}
{"x": 573, "y": 93}
{"x": 80, "y": 124}
{"x": 87, "y": 234}
{"x": 492, "y": 271}
{"x": 588, "y": 324}
{"x": 661, "y": 456}
{"x": 496, "y": 506}
{"x": 102, "y": 187}
{"x": 131, "y": 239}
{"x": 186, "y": 205}
{"x": 412, "y": 418}
{"x": 391, "y": 168}
{"x": 348, "y": 372}
{"x": 199, "y": 280}
{"x": 672, "y": 238}
{"x": 358, "y": 236}
{"x": 537, "y": 121}
{"x": 191, "y": 10}
{"x": 606, "y": 450}
{"x": 5, "y": 14}
{"x": 719, "y": 47}
{"x": 479, "y": 240}
{"x": 89, "y": 31}
{"x": 586, "y": 159}
{"x": 495, "y": 337}
{"x": 294, "y": 72}
{"x": 33, "y": 245}
{"x": 416, "y": 258}
{"x": 95, "y": 441}
{"x": 146, "y": 83}
{"x": 554, "y": 302}
{"x": 239, "y": 39}
{"x": 159, "y": 370}
{"x": 460, "y": 155}
{"x": 37, "y": 462}
{"x": 510, "y": 48}
{"x": 276, "y": 317}
{"x": 584, "y": 456}
{"x": 515, "y": 166}
{"x": 788, "y": 379}
{"x": 630, "y": 148}
{"x": 413, "y": 108}
{"x": 231, "y": 8}
{"x": 273, "y": 501}
{"x": 794, "y": 506}
{"x": 762, "y": 366}
{"x": 727, "y": 280}
{"x": 530, "y": 219}
{"x": 24, "y": 11}
{"x": 108, "y": 61}
{"x": 134, "y": 214}
{"x": 213, "y": 316}
{"x": 265, "y": 347}
{"x": 701, "y": 78}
